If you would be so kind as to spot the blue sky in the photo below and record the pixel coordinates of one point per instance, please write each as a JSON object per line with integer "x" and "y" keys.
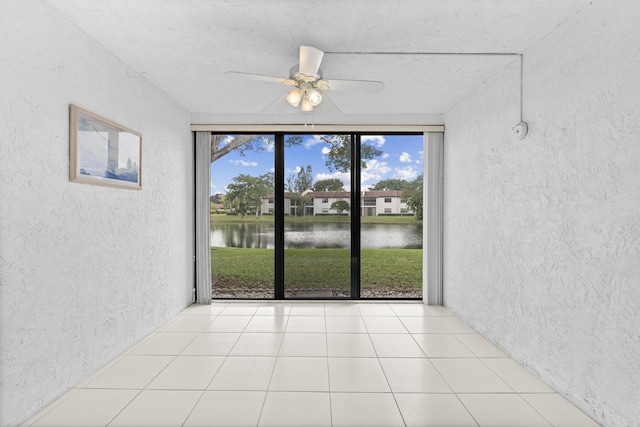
{"x": 402, "y": 158}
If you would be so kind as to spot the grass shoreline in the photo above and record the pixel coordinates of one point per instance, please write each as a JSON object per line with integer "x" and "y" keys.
{"x": 317, "y": 269}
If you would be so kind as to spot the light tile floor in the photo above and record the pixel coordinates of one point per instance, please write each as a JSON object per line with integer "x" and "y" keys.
{"x": 312, "y": 364}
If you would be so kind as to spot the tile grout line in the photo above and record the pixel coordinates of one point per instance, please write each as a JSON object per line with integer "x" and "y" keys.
{"x": 456, "y": 394}
{"x": 163, "y": 369}
{"x": 534, "y": 408}
{"x": 194, "y": 406}
{"x": 266, "y": 393}
{"x": 215, "y": 373}
{"x": 45, "y": 411}
{"x": 326, "y": 340}
{"x": 124, "y": 407}
{"x": 465, "y": 406}
{"x": 383, "y": 371}
{"x": 219, "y": 367}
{"x": 380, "y": 325}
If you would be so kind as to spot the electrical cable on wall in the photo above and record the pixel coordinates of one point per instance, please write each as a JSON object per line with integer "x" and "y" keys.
{"x": 521, "y": 128}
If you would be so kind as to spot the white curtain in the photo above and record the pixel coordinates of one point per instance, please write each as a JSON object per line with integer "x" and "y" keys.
{"x": 433, "y": 217}
{"x": 203, "y": 245}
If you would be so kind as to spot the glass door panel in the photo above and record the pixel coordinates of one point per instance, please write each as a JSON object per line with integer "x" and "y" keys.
{"x": 391, "y": 217}
{"x": 242, "y": 216}
{"x": 317, "y": 222}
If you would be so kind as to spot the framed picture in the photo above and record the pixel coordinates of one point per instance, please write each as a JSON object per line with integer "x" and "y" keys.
{"x": 103, "y": 152}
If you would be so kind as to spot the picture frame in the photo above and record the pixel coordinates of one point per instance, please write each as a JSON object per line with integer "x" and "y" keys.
{"x": 103, "y": 152}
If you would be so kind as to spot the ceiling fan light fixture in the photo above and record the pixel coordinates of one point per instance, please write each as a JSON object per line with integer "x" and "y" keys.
{"x": 306, "y": 104}
{"x": 294, "y": 97}
{"x": 315, "y": 97}
{"x": 308, "y": 83}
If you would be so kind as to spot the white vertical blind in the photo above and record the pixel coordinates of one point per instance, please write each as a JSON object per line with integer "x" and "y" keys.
{"x": 433, "y": 217}
{"x": 203, "y": 244}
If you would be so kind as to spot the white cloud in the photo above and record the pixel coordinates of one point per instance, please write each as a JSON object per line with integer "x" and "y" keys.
{"x": 405, "y": 157}
{"x": 385, "y": 155}
{"x": 367, "y": 176}
{"x": 227, "y": 139}
{"x": 377, "y": 139}
{"x": 377, "y": 166}
{"x": 375, "y": 170}
{"x": 326, "y": 150}
{"x": 243, "y": 163}
{"x": 268, "y": 144}
{"x": 344, "y": 177}
{"x": 408, "y": 173}
{"x": 315, "y": 140}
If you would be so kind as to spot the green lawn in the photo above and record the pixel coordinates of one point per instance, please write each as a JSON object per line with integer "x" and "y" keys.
{"x": 317, "y": 269}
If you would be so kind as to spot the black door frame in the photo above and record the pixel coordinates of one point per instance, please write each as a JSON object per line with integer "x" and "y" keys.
{"x": 279, "y": 265}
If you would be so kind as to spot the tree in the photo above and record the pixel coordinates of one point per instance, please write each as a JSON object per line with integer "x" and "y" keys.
{"x": 390, "y": 184}
{"x": 333, "y": 184}
{"x": 297, "y": 184}
{"x": 303, "y": 181}
{"x": 340, "y": 206}
{"x": 338, "y": 157}
{"x": 339, "y": 154}
{"x": 300, "y": 201}
{"x": 247, "y": 191}
{"x": 216, "y": 198}
{"x": 224, "y": 144}
{"x": 413, "y": 193}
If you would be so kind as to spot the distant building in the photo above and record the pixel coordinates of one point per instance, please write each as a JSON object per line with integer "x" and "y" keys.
{"x": 372, "y": 203}
{"x": 383, "y": 202}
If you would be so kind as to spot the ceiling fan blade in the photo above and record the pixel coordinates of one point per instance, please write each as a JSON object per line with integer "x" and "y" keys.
{"x": 310, "y": 59}
{"x": 367, "y": 86}
{"x": 327, "y": 106}
{"x": 279, "y": 106}
{"x": 260, "y": 78}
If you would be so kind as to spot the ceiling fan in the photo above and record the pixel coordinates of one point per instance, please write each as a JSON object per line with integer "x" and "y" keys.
{"x": 308, "y": 83}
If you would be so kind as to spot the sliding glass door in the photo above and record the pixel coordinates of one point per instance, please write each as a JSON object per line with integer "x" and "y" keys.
{"x": 242, "y": 216}
{"x": 316, "y": 215}
{"x": 391, "y": 217}
{"x": 317, "y": 220}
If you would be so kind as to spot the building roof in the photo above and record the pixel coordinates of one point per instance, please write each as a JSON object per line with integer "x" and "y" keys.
{"x": 330, "y": 194}
{"x": 388, "y": 193}
{"x": 342, "y": 194}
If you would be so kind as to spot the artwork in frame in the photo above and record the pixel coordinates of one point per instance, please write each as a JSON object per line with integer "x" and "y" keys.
{"x": 103, "y": 152}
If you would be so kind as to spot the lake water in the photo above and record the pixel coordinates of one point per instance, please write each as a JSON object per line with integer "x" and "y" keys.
{"x": 317, "y": 235}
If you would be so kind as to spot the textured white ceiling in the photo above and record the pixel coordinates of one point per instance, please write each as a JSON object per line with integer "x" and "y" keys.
{"x": 186, "y": 46}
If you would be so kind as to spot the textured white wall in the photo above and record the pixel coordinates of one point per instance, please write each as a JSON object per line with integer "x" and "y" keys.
{"x": 85, "y": 271}
{"x": 542, "y": 236}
